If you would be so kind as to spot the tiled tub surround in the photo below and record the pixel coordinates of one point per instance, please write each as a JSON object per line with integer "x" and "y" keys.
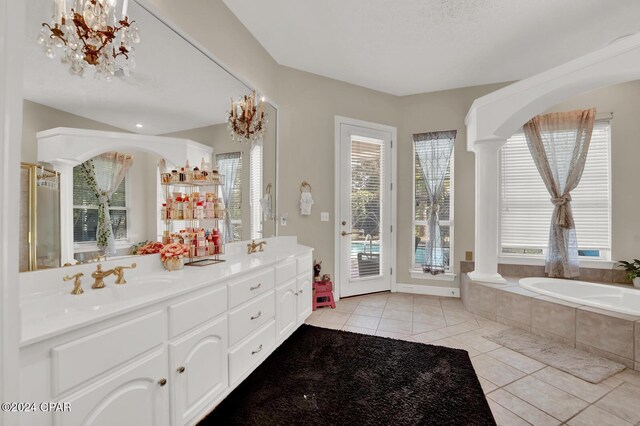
{"x": 612, "y": 335}
{"x": 596, "y": 275}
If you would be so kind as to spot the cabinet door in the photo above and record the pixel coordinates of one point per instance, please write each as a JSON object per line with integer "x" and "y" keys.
{"x": 136, "y": 396}
{"x": 304, "y": 297}
{"x": 286, "y": 309}
{"x": 199, "y": 363}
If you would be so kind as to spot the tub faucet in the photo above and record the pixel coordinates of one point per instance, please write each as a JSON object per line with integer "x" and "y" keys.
{"x": 99, "y": 275}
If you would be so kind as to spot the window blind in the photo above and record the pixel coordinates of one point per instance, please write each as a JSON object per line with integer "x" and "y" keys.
{"x": 85, "y": 206}
{"x": 255, "y": 190}
{"x": 525, "y": 202}
{"x": 422, "y": 205}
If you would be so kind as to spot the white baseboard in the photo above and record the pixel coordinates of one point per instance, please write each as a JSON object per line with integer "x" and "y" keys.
{"x": 428, "y": 290}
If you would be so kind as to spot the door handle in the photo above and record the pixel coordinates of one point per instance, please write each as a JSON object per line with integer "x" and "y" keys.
{"x": 345, "y": 233}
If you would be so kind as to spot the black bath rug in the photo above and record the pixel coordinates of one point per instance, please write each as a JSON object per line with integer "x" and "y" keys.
{"x": 327, "y": 377}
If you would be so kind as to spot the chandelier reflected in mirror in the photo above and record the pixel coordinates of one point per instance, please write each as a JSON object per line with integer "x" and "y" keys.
{"x": 247, "y": 121}
{"x": 90, "y": 34}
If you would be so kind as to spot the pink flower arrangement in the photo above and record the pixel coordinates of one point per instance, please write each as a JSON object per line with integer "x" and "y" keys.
{"x": 150, "y": 248}
{"x": 173, "y": 251}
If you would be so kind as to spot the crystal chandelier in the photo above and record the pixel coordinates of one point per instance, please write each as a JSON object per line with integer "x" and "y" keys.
{"x": 247, "y": 120}
{"x": 89, "y": 34}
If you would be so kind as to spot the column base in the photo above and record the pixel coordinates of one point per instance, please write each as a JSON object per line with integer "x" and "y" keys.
{"x": 486, "y": 278}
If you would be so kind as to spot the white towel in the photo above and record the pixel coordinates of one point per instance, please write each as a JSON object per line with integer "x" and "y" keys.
{"x": 305, "y": 203}
{"x": 267, "y": 211}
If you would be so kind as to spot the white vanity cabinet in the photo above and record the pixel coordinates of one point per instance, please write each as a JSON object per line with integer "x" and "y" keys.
{"x": 172, "y": 361}
{"x": 293, "y": 295}
{"x": 199, "y": 369}
{"x": 138, "y": 395}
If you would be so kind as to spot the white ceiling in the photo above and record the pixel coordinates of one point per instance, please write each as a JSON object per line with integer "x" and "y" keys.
{"x": 173, "y": 87}
{"x": 406, "y": 47}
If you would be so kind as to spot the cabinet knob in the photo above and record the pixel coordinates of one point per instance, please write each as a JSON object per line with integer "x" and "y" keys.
{"x": 181, "y": 369}
{"x": 162, "y": 382}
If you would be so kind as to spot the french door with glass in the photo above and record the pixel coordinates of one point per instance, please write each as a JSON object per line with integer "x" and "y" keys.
{"x": 365, "y": 209}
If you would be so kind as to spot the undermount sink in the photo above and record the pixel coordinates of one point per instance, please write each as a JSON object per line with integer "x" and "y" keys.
{"x": 64, "y": 304}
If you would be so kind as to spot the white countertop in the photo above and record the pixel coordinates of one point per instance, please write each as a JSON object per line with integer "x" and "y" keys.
{"x": 53, "y": 310}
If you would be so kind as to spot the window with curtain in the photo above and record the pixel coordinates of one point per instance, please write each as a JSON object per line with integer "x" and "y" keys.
{"x": 526, "y": 209}
{"x": 230, "y": 164}
{"x": 422, "y": 207}
{"x": 85, "y": 207}
{"x": 255, "y": 190}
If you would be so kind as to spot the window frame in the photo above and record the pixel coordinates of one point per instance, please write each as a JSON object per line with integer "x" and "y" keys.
{"x": 602, "y": 261}
{"x": 121, "y": 243}
{"x": 415, "y": 271}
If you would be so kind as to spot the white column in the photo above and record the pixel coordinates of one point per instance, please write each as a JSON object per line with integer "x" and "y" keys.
{"x": 487, "y": 213}
{"x": 65, "y": 168}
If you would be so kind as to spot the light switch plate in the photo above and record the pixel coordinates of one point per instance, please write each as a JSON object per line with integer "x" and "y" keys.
{"x": 324, "y": 217}
{"x": 283, "y": 219}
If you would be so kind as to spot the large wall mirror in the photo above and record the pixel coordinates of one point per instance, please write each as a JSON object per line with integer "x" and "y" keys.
{"x": 176, "y": 91}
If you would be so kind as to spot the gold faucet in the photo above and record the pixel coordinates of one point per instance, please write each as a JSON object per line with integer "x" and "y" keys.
{"x": 99, "y": 276}
{"x": 118, "y": 271}
{"x": 77, "y": 289}
{"x": 251, "y": 247}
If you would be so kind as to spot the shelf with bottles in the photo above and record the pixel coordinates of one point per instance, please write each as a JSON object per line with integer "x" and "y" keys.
{"x": 192, "y": 206}
{"x": 188, "y": 177}
{"x": 200, "y": 213}
{"x": 205, "y": 246}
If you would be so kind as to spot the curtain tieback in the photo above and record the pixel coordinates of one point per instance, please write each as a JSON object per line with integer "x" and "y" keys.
{"x": 435, "y": 208}
{"x": 563, "y": 216}
{"x": 103, "y": 199}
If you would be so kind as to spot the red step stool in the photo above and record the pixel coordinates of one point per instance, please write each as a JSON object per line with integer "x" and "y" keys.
{"x": 323, "y": 294}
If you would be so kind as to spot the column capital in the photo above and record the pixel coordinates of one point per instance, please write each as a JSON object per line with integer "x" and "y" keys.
{"x": 489, "y": 144}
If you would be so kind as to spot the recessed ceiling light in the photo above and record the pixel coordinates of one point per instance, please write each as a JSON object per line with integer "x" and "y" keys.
{"x": 139, "y": 125}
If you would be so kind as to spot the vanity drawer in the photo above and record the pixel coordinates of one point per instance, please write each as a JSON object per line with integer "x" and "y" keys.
{"x": 85, "y": 358}
{"x": 285, "y": 272}
{"x": 248, "y": 318}
{"x": 305, "y": 264}
{"x": 192, "y": 312}
{"x": 247, "y": 288}
{"x": 247, "y": 355}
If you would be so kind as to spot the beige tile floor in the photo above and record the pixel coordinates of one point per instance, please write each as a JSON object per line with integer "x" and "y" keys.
{"x": 520, "y": 390}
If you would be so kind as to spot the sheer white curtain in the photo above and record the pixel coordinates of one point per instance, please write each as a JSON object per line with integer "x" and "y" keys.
{"x": 228, "y": 167}
{"x": 114, "y": 168}
{"x": 434, "y": 154}
{"x": 559, "y": 143}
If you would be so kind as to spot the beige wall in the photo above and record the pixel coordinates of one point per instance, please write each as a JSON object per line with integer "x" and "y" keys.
{"x": 216, "y": 28}
{"x": 37, "y": 117}
{"x": 308, "y": 106}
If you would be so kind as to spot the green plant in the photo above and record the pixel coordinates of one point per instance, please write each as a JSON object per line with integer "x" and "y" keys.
{"x": 632, "y": 268}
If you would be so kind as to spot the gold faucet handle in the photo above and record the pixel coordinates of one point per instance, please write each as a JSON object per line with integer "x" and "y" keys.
{"x": 262, "y": 244}
{"x": 77, "y": 289}
{"x": 119, "y": 272}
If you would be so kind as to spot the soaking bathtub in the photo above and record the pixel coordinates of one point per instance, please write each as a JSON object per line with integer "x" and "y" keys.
{"x": 610, "y": 297}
